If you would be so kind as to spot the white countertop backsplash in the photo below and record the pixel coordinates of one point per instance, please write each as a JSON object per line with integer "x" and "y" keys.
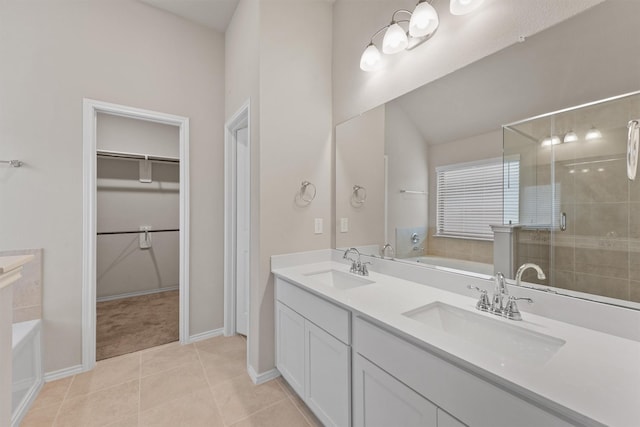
{"x": 594, "y": 374}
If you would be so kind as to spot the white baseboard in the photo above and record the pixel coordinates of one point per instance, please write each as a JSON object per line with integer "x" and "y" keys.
{"x": 264, "y": 376}
{"x": 23, "y": 408}
{"x": 138, "y": 293}
{"x": 63, "y": 373}
{"x": 206, "y": 335}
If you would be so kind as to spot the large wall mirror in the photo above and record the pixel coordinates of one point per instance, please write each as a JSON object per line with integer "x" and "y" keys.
{"x": 428, "y": 172}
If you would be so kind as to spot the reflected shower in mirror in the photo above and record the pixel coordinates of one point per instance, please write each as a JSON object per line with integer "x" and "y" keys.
{"x": 432, "y": 159}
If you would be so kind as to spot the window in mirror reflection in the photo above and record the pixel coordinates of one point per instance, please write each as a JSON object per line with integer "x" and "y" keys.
{"x": 470, "y": 197}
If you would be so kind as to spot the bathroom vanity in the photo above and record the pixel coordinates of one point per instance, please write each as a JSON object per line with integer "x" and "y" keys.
{"x": 380, "y": 350}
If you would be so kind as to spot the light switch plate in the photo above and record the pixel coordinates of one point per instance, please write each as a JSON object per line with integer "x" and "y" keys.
{"x": 318, "y": 226}
{"x": 344, "y": 225}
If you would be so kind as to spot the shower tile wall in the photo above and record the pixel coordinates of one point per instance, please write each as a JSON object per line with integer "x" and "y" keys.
{"x": 599, "y": 253}
{"x": 27, "y": 291}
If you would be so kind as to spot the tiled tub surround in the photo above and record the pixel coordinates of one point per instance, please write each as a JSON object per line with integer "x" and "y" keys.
{"x": 10, "y": 271}
{"x": 27, "y": 291}
{"x": 466, "y": 249}
{"x": 593, "y": 378}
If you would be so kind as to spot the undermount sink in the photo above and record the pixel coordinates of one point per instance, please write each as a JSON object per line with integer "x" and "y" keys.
{"x": 509, "y": 342}
{"x": 339, "y": 279}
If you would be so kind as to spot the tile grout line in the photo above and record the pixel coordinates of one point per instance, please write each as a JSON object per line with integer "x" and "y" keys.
{"x": 206, "y": 378}
{"x": 292, "y": 400}
{"x": 64, "y": 399}
{"x": 260, "y": 410}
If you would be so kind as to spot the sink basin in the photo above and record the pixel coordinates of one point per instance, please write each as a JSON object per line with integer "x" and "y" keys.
{"x": 339, "y": 279}
{"x": 509, "y": 342}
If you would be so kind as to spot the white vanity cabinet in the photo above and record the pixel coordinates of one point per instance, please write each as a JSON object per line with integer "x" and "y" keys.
{"x": 411, "y": 380}
{"x": 313, "y": 352}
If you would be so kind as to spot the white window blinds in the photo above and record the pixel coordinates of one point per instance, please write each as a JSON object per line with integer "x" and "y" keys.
{"x": 472, "y": 196}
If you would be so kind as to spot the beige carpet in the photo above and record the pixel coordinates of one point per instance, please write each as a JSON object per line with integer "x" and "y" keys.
{"x": 131, "y": 324}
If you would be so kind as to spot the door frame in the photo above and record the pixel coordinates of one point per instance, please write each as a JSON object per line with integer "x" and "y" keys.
{"x": 91, "y": 108}
{"x": 240, "y": 119}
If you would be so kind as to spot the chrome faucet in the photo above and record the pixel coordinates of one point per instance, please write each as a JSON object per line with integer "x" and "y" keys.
{"x": 357, "y": 266}
{"x": 527, "y": 266}
{"x": 499, "y": 293}
{"x": 383, "y": 251}
{"x": 498, "y": 306}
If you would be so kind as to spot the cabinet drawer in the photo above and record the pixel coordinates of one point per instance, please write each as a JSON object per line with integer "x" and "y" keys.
{"x": 468, "y": 397}
{"x": 328, "y": 316}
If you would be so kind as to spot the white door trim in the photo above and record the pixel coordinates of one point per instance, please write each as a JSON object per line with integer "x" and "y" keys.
{"x": 239, "y": 120}
{"x": 90, "y": 110}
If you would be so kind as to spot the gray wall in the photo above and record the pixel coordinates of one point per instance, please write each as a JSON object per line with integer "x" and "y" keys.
{"x": 55, "y": 54}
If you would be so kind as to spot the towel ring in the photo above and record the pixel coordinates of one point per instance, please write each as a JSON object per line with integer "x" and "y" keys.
{"x": 359, "y": 194}
{"x": 303, "y": 190}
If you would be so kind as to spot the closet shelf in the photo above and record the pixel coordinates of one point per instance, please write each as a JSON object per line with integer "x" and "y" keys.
{"x": 101, "y": 233}
{"x": 136, "y": 156}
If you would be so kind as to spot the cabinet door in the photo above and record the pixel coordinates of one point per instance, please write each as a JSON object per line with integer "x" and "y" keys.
{"x": 380, "y": 400}
{"x": 328, "y": 377}
{"x": 290, "y": 346}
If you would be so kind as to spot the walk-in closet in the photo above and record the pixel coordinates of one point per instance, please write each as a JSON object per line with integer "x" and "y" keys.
{"x": 137, "y": 247}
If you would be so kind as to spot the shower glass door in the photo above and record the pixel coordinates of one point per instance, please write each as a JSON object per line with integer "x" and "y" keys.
{"x": 579, "y": 211}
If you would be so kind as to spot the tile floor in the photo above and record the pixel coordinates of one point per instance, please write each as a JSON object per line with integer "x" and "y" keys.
{"x": 200, "y": 384}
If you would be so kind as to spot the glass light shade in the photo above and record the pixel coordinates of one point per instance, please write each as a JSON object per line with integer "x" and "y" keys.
{"x": 424, "y": 20}
{"x": 552, "y": 140}
{"x": 395, "y": 39}
{"x": 593, "y": 133}
{"x": 370, "y": 60}
{"x": 462, "y": 7}
{"x": 570, "y": 136}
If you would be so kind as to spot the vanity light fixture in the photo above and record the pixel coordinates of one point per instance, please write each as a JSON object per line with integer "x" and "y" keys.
{"x": 592, "y": 134}
{"x": 407, "y": 34}
{"x": 462, "y": 7}
{"x": 570, "y": 136}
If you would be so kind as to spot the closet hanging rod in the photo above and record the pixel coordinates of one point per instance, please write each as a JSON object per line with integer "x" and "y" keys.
{"x": 101, "y": 233}
{"x": 136, "y": 156}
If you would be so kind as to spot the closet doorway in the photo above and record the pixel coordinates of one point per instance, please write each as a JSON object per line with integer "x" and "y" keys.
{"x": 135, "y": 276}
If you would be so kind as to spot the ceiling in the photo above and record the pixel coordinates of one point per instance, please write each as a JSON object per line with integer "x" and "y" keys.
{"x": 215, "y": 14}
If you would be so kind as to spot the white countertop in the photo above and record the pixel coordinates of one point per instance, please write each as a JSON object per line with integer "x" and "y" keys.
{"x": 595, "y": 375}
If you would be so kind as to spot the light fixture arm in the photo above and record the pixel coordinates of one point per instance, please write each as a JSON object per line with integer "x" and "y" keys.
{"x": 381, "y": 30}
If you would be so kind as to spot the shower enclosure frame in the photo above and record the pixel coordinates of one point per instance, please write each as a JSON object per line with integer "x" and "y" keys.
{"x": 91, "y": 108}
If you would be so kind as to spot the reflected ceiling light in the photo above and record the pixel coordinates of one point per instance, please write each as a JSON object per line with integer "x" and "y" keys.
{"x": 592, "y": 134}
{"x": 570, "y": 136}
{"x": 551, "y": 140}
{"x": 585, "y": 170}
{"x": 462, "y": 7}
{"x": 409, "y": 33}
{"x": 600, "y": 169}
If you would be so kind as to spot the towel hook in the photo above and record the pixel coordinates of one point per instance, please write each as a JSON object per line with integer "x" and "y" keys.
{"x": 303, "y": 190}
{"x": 359, "y": 195}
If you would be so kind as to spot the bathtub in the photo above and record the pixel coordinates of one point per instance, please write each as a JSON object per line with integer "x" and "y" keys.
{"x": 26, "y": 369}
{"x": 451, "y": 264}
